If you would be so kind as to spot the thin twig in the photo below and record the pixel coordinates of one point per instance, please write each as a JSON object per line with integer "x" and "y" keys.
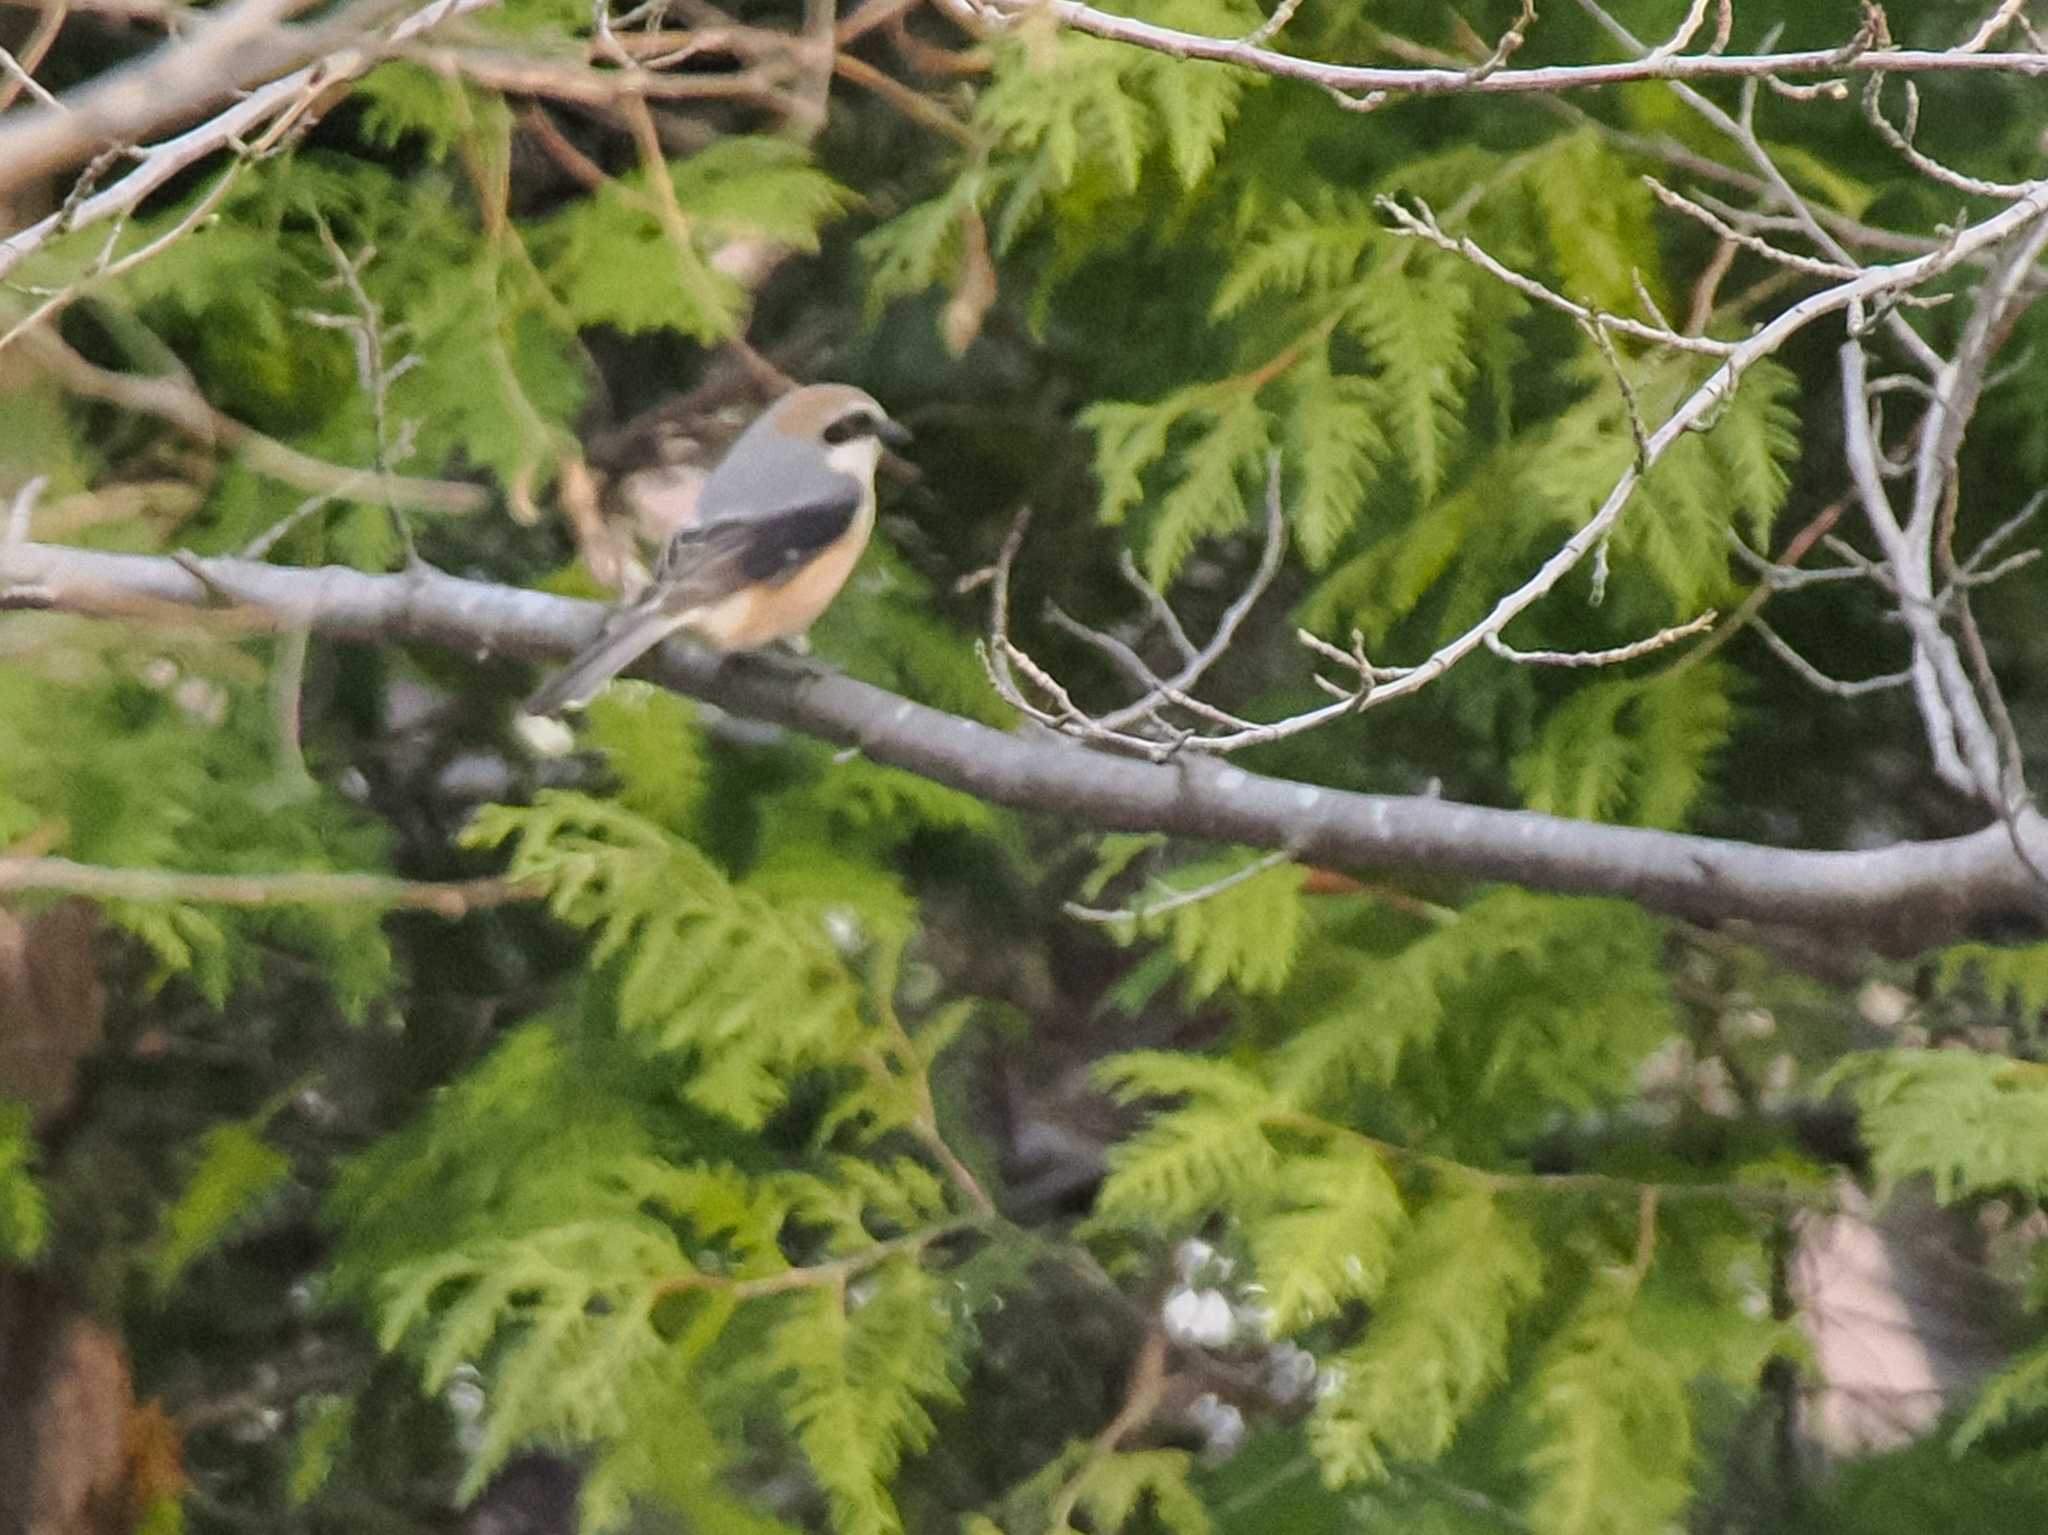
{"x": 161, "y": 162}
{"x": 1004, "y": 659}
{"x": 1678, "y": 202}
{"x": 1783, "y": 578}
{"x": 1820, "y": 679}
{"x": 559, "y": 79}
{"x": 1422, "y": 224}
{"x": 107, "y": 268}
{"x": 239, "y": 45}
{"x": 1545, "y": 79}
{"x": 1117, "y": 916}
{"x": 21, "y": 510}
{"x": 367, "y": 328}
{"x": 833, "y": 1273}
{"x": 1708, "y": 288}
{"x": 912, "y": 104}
{"x": 1198, "y": 663}
{"x": 1509, "y": 45}
{"x": 1158, "y": 692}
{"x": 1774, "y": 581}
{"x": 1901, "y": 141}
{"x": 1141, "y": 1397}
{"x": 287, "y": 689}
{"x": 1270, "y": 28}
{"x": 1948, "y": 739}
{"x": 1687, "y": 29}
{"x": 293, "y": 888}
{"x": 173, "y": 398}
{"x": 1987, "y": 34}
{"x": 2005, "y": 567}
{"x": 1161, "y": 610}
{"x": 1741, "y": 128}
{"x": 33, "y": 52}
{"x": 1614, "y": 657}
{"x": 2004, "y": 531}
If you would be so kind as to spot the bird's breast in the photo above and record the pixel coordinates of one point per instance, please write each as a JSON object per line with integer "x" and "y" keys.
{"x": 761, "y": 614}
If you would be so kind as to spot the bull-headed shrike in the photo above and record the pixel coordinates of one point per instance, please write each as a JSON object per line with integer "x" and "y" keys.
{"x": 779, "y": 525}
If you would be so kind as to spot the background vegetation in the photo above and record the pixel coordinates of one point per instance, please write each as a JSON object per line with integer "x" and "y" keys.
{"x": 712, "y": 1130}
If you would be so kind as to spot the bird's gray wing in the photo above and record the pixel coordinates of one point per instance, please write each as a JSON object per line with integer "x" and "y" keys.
{"x": 712, "y": 559}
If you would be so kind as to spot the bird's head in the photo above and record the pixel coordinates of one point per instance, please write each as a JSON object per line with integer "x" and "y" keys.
{"x": 845, "y": 422}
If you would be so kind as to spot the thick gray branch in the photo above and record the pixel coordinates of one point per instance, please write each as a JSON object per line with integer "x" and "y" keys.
{"x": 1903, "y": 897}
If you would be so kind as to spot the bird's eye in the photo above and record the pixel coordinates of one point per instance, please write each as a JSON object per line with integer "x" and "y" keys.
{"x": 855, "y": 423}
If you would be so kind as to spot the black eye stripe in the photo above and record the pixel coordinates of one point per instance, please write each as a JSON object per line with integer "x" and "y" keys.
{"x": 855, "y": 423}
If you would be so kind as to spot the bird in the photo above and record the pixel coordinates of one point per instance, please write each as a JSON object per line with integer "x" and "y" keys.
{"x": 778, "y": 527}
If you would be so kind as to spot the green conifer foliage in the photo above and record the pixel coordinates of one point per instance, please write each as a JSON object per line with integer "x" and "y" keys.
{"x": 703, "y": 1153}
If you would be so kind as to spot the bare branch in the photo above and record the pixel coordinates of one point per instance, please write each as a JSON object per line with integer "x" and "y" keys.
{"x": 1199, "y": 662}
{"x": 1781, "y": 577}
{"x": 1820, "y": 679}
{"x": 1689, "y": 28}
{"x": 1354, "y": 659}
{"x": 1509, "y": 45}
{"x": 295, "y": 888}
{"x": 1268, "y": 29}
{"x": 1421, "y": 223}
{"x": 1998, "y": 572}
{"x": 1960, "y": 706}
{"x": 1161, "y": 610}
{"x": 285, "y": 97}
{"x": 558, "y": 79}
{"x": 175, "y": 399}
{"x": 1960, "y": 382}
{"x": 1777, "y": 578}
{"x": 1741, "y": 129}
{"x": 1356, "y": 79}
{"x": 2012, "y": 784}
{"x": 22, "y": 71}
{"x": 22, "y": 510}
{"x": 912, "y": 104}
{"x": 1935, "y": 703}
{"x": 240, "y": 45}
{"x": 1908, "y": 896}
{"x": 287, "y": 703}
{"x": 1852, "y": 232}
{"x": 1162, "y": 738}
{"x": 1638, "y": 429}
{"x": 373, "y": 373}
{"x": 2007, "y": 12}
{"x": 1588, "y": 658}
{"x": 1700, "y": 406}
{"x": 1158, "y": 693}
{"x": 1708, "y": 288}
{"x": 1143, "y": 1391}
{"x": 873, "y": 14}
{"x": 1678, "y": 202}
{"x": 1901, "y": 141}
{"x": 1996, "y": 539}
{"x": 1180, "y": 898}
{"x": 108, "y": 266}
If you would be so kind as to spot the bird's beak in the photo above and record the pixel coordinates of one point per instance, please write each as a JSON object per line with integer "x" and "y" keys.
{"x": 894, "y": 433}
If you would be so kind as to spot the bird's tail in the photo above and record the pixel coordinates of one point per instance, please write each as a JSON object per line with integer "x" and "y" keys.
{"x": 619, "y": 647}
